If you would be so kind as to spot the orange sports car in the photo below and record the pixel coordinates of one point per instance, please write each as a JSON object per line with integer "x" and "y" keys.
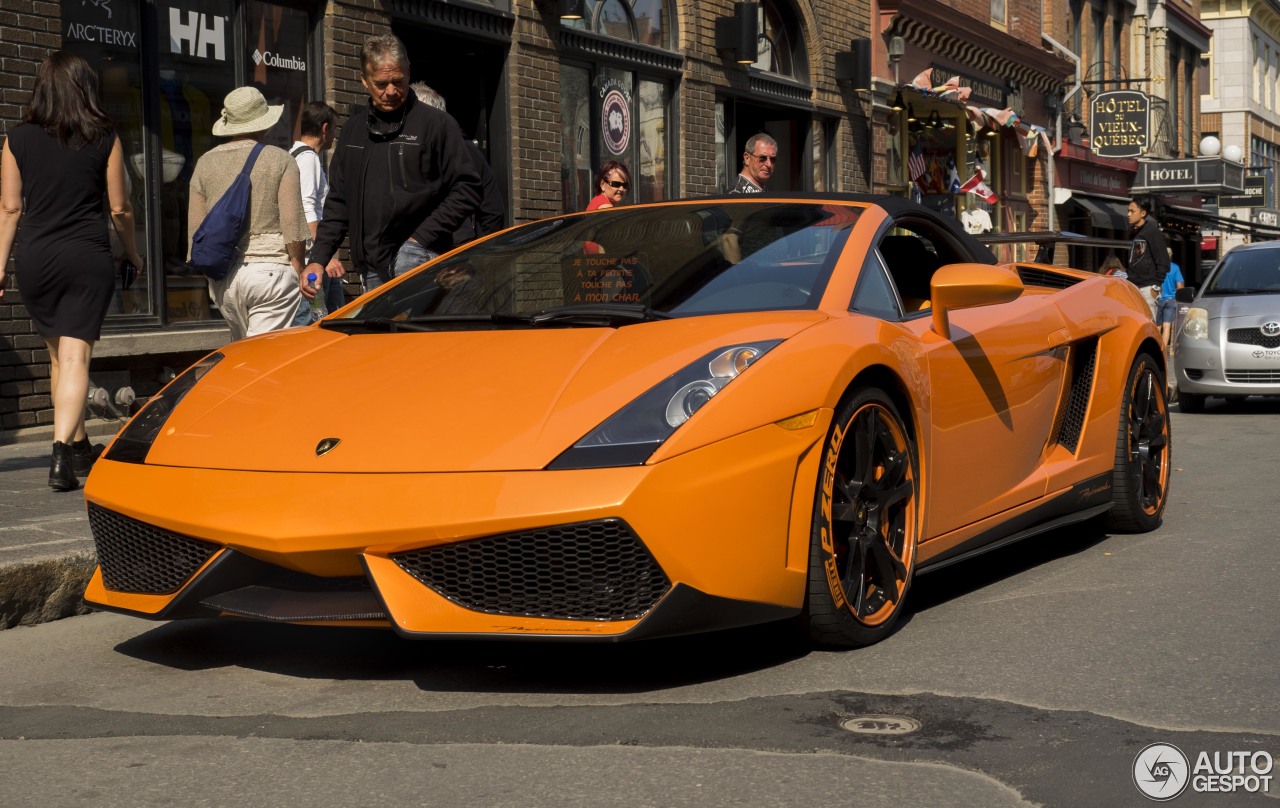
{"x": 643, "y": 421}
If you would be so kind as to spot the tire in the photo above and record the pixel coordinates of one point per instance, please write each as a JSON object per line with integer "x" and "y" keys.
{"x": 865, "y": 525}
{"x": 1191, "y": 402}
{"x": 1140, "y": 480}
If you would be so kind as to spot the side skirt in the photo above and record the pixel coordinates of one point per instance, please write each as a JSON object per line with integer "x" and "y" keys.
{"x": 1063, "y": 509}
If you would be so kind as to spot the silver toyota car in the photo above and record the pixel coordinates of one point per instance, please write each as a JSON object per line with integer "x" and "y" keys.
{"x": 1229, "y": 344}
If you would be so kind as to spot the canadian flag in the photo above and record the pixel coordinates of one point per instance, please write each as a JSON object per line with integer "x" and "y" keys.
{"x": 977, "y": 186}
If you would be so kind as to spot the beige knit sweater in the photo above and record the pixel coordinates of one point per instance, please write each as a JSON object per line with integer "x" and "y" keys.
{"x": 275, "y": 203}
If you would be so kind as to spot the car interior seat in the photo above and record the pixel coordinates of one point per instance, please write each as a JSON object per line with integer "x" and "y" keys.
{"x": 911, "y": 265}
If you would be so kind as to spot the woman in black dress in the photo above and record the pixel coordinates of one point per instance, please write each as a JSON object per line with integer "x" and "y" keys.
{"x": 56, "y": 166}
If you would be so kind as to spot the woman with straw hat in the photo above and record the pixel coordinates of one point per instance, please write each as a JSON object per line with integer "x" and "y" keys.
{"x": 260, "y": 293}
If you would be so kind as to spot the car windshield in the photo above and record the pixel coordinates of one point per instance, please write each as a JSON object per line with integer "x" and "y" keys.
{"x": 622, "y": 266}
{"x": 1247, "y": 272}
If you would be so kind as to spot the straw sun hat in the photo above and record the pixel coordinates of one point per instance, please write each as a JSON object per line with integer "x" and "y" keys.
{"x": 244, "y": 110}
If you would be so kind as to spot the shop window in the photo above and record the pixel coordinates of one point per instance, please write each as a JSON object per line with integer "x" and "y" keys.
{"x": 182, "y": 90}
{"x": 109, "y": 40}
{"x": 275, "y": 59}
{"x": 999, "y": 13}
{"x": 614, "y": 111}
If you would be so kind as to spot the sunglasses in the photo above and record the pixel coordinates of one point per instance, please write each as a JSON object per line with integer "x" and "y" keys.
{"x": 765, "y": 158}
{"x": 616, "y": 184}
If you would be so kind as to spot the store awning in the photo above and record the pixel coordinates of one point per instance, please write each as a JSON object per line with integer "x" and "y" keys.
{"x": 1103, "y": 213}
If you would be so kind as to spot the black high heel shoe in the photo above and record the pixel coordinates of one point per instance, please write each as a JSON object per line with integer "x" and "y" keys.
{"x": 62, "y": 475}
{"x": 84, "y": 455}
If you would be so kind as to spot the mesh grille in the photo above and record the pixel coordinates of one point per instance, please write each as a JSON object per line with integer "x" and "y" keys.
{"x": 137, "y": 557}
{"x": 1252, "y": 336}
{"x": 585, "y": 571}
{"x": 1085, "y": 356}
{"x": 1254, "y": 376}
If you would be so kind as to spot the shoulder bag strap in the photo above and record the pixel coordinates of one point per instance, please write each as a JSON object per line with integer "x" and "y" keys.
{"x": 253, "y": 158}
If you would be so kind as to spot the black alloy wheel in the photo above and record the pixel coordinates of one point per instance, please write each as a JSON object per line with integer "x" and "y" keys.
{"x": 865, "y": 525}
{"x": 1140, "y": 481}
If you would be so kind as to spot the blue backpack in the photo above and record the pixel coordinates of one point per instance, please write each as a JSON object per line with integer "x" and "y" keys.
{"x": 216, "y": 243}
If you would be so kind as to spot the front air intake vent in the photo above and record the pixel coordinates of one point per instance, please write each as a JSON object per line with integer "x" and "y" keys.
{"x": 1034, "y": 276}
{"x": 586, "y": 571}
{"x": 1252, "y": 336}
{"x": 139, "y": 558}
{"x": 1252, "y": 376}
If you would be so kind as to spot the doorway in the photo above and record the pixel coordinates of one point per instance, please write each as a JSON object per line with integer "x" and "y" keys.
{"x": 791, "y": 128}
{"x": 470, "y": 74}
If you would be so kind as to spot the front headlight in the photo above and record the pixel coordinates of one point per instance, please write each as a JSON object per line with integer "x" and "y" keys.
{"x": 633, "y": 433}
{"x": 133, "y": 443}
{"x": 1196, "y": 325}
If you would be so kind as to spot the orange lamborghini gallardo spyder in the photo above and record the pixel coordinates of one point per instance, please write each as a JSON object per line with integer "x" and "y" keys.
{"x": 643, "y": 421}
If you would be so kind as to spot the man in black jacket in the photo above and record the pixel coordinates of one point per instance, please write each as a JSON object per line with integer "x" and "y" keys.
{"x": 401, "y": 180}
{"x": 1148, "y": 255}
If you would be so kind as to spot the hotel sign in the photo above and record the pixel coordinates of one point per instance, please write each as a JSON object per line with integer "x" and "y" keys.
{"x": 1120, "y": 124}
{"x": 1207, "y": 175}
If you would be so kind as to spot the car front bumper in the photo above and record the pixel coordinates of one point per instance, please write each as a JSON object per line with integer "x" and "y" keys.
{"x": 1222, "y": 368}
{"x": 713, "y": 538}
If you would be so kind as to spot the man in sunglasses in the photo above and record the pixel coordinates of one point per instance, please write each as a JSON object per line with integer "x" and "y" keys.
{"x": 758, "y": 161}
{"x": 401, "y": 181}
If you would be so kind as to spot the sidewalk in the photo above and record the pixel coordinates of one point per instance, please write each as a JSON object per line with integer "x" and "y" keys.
{"x": 46, "y": 549}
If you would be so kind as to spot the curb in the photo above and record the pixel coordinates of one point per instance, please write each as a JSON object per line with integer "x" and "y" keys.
{"x": 45, "y": 589}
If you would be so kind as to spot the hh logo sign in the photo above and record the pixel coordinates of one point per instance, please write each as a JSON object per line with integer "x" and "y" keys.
{"x": 192, "y": 33}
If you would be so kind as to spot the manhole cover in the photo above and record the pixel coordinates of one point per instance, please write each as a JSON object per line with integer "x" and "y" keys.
{"x": 881, "y": 724}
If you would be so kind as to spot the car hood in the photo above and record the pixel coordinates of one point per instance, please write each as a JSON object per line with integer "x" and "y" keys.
{"x": 432, "y": 402}
{"x": 1232, "y": 306}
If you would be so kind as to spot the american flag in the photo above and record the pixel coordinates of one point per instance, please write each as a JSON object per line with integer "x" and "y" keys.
{"x": 916, "y": 164}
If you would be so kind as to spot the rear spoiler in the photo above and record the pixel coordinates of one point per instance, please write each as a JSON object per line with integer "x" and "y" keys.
{"x": 1047, "y": 240}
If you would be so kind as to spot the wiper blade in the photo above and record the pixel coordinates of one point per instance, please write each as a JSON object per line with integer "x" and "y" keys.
{"x": 380, "y": 324}
{"x": 417, "y": 324}
{"x": 599, "y": 314}
{"x": 1244, "y": 291}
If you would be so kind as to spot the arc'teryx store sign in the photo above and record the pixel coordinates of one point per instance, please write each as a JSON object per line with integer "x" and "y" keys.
{"x": 1120, "y": 124}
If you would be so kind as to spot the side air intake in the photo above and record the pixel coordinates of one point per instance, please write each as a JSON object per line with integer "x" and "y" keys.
{"x": 1075, "y": 403}
{"x": 1033, "y": 276}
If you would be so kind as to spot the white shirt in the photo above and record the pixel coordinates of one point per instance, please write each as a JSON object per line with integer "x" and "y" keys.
{"x": 315, "y": 184}
{"x": 976, "y": 220}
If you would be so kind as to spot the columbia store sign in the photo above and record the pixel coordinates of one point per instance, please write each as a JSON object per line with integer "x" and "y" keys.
{"x": 278, "y": 60}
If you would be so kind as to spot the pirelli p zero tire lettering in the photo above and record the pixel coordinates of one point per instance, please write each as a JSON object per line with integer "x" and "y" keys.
{"x": 1141, "y": 477}
{"x": 865, "y": 524}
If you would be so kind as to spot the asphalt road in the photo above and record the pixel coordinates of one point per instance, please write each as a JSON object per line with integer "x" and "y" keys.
{"x": 1037, "y": 674}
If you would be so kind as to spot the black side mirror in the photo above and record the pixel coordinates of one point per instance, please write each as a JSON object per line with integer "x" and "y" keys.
{"x": 1185, "y": 295}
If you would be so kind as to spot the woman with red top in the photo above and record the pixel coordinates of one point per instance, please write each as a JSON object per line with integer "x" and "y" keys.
{"x": 612, "y": 183}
